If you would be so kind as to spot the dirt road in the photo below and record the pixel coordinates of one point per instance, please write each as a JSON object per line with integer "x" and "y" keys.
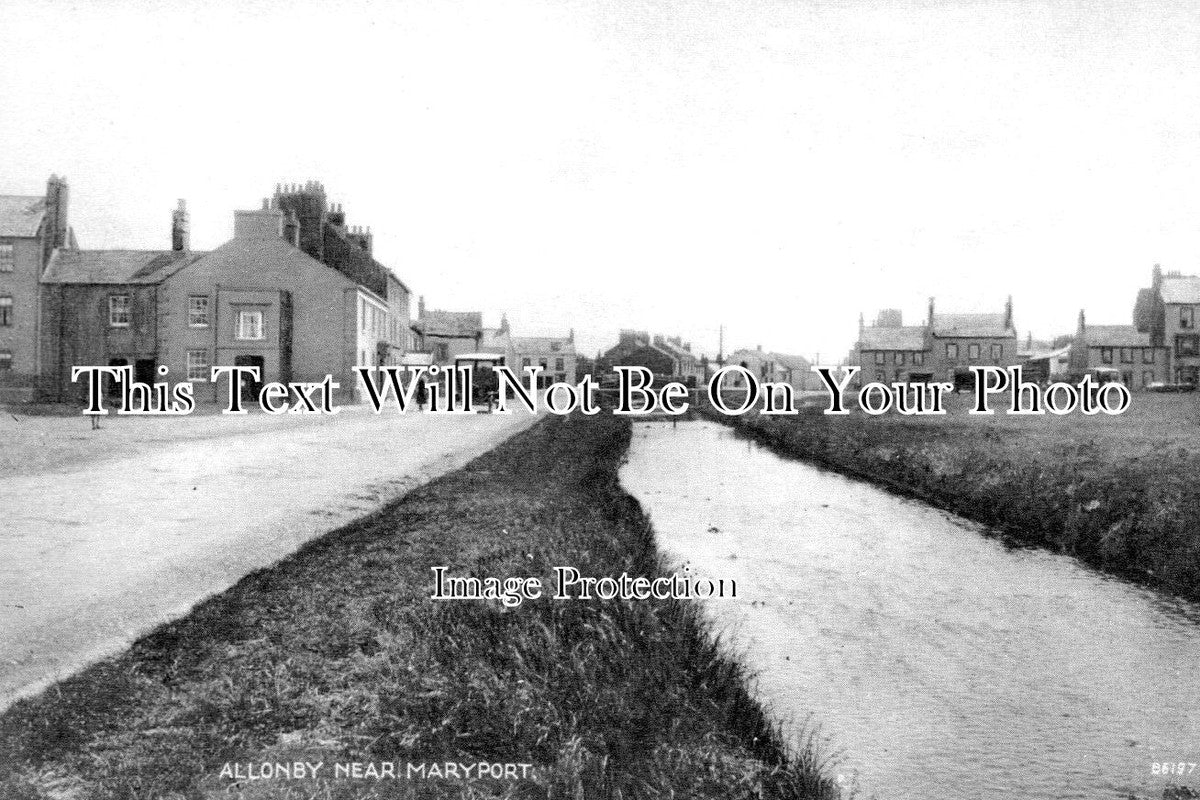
{"x": 95, "y": 554}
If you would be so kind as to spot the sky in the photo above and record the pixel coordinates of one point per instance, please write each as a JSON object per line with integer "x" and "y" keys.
{"x": 776, "y": 168}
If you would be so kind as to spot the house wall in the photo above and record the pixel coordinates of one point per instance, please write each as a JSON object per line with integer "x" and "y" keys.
{"x": 1182, "y": 341}
{"x": 655, "y": 360}
{"x": 76, "y": 331}
{"x": 20, "y": 337}
{"x": 944, "y": 367}
{"x": 898, "y": 365}
{"x": 324, "y": 320}
{"x": 1136, "y": 370}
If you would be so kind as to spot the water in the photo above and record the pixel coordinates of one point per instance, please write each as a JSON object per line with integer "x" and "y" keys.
{"x": 939, "y": 662}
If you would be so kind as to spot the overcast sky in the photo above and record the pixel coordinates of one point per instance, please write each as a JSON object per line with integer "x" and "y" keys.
{"x": 777, "y": 167}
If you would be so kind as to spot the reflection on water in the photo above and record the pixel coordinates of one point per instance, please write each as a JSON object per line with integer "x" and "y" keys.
{"x": 938, "y": 661}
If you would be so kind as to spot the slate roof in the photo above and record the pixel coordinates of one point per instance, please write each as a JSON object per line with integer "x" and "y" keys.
{"x": 981, "y": 325}
{"x": 21, "y": 216}
{"x": 1181, "y": 289}
{"x": 911, "y": 337}
{"x": 117, "y": 266}
{"x": 791, "y": 362}
{"x": 542, "y": 345}
{"x": 451, "y": 323}
{"x": 1115, "y": 336}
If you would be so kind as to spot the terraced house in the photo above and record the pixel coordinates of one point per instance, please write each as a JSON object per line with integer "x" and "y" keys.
{"x": 295, "y": 292}
{"x": 1168, "y": 311}
{"x": 943, "y": 349}
{"x": 1123, "y": 348}
{"x": 32, "y": 228}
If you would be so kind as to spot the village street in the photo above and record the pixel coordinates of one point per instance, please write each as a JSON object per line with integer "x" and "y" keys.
{"x": 107, "y": 533}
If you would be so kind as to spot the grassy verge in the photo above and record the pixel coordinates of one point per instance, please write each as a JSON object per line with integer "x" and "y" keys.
{"x": 1119, "y": 493}
{"x": 336, "y": 654}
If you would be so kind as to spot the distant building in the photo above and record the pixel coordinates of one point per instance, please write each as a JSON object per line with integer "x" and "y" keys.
{"x": 32, "y": 228}
{"x": 943, "y": 349}
{"x": 961, "y": 341}
{"x": 796, "y": 371}
{"x": 1168, "y": 311}
{"x": 886, "y": 353}
{"x": 447, "y": 334}
{"x": 256, "y": 300}
{"x": 1132, "y": 353}
{"x": 554, "y": 354}
{"x": 758, "y": 362}
{"x": 261, "y": 299}
{"x": 669, "y": 358}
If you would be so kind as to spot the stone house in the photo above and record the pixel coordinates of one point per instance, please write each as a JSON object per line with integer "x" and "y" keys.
{"x": 32, "y": 228}
{"x": 670, "y": 358}
{"x": 260, "y": 299}
{"x": 554, "y": 354}
{"x": 959, "y": 341}
{"x": 446, "y": 335}
{"x": 942, "y": 349}
{"x": 1123, "y": 348}
{"x": 1169, "y": 312}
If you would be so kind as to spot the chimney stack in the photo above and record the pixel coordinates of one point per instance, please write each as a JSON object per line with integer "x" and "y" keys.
{"x": 57, "y": 196}
{"x": 180, "y": 236}
{"x": 1082, "y": 323}
{"x": 421, "y": 307}
{"x": 931, "y": 311}
{"x": 1008, "y": 315}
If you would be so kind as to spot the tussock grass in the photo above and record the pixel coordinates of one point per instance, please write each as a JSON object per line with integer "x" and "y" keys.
{"x": 337, "y": 654}
{"x": 1120, "y": 494}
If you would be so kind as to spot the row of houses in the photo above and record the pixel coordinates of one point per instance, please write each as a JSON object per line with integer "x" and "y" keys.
{"x": 296, "y": 292}
{"x": 1161, "y": 346}
{"x": 943, "y": 348}
{"x": 673, "y": 358}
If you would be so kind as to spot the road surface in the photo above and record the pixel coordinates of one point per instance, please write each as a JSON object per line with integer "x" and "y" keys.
{"x": 97, "y": 552}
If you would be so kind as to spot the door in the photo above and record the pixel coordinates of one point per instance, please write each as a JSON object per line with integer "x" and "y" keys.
{"x": 251, "y": 388}
{"x": 112, "y": 386}
{"x": 143, "y": 370}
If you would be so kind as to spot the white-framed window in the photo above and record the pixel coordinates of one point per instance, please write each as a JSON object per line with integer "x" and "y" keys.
{"x": 951, "y": 350}
{"x": 880, "y": 357}
{"x": 119, "y": 306}
{"x": 997, "y": 352}
{"x": 6, "y": 311}
{"x": 5, "y": 360}
{"x": 198, "y": 366}
{"x": 558, "y": 365}
{"x": 1187, "y": 317}
{"x": 198, "y": 311}
{"x": 249, "y": 325}
{"x": 1148, "y": 355}
{"x": 7, "y": 257}
{"x": 972, "y": 351}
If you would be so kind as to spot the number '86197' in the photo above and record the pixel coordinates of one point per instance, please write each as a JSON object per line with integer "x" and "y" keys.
{"x": 1173, "y": 767}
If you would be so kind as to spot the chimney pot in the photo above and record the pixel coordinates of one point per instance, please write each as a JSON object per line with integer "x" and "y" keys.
{"x": 180, "y": 237}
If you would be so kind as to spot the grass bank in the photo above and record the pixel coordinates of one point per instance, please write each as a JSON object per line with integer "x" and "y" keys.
{"x": 337, "y": 655}
{"x": 1119, "y": 493}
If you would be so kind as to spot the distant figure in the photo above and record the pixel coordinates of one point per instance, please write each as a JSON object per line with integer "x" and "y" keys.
{"x": 422, "y": 394}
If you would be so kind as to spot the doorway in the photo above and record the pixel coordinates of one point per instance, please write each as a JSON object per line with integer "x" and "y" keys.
{"x": 251, "y": 388}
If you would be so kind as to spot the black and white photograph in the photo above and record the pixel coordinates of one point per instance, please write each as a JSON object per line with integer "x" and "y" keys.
{"x": 599, "y": 399}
